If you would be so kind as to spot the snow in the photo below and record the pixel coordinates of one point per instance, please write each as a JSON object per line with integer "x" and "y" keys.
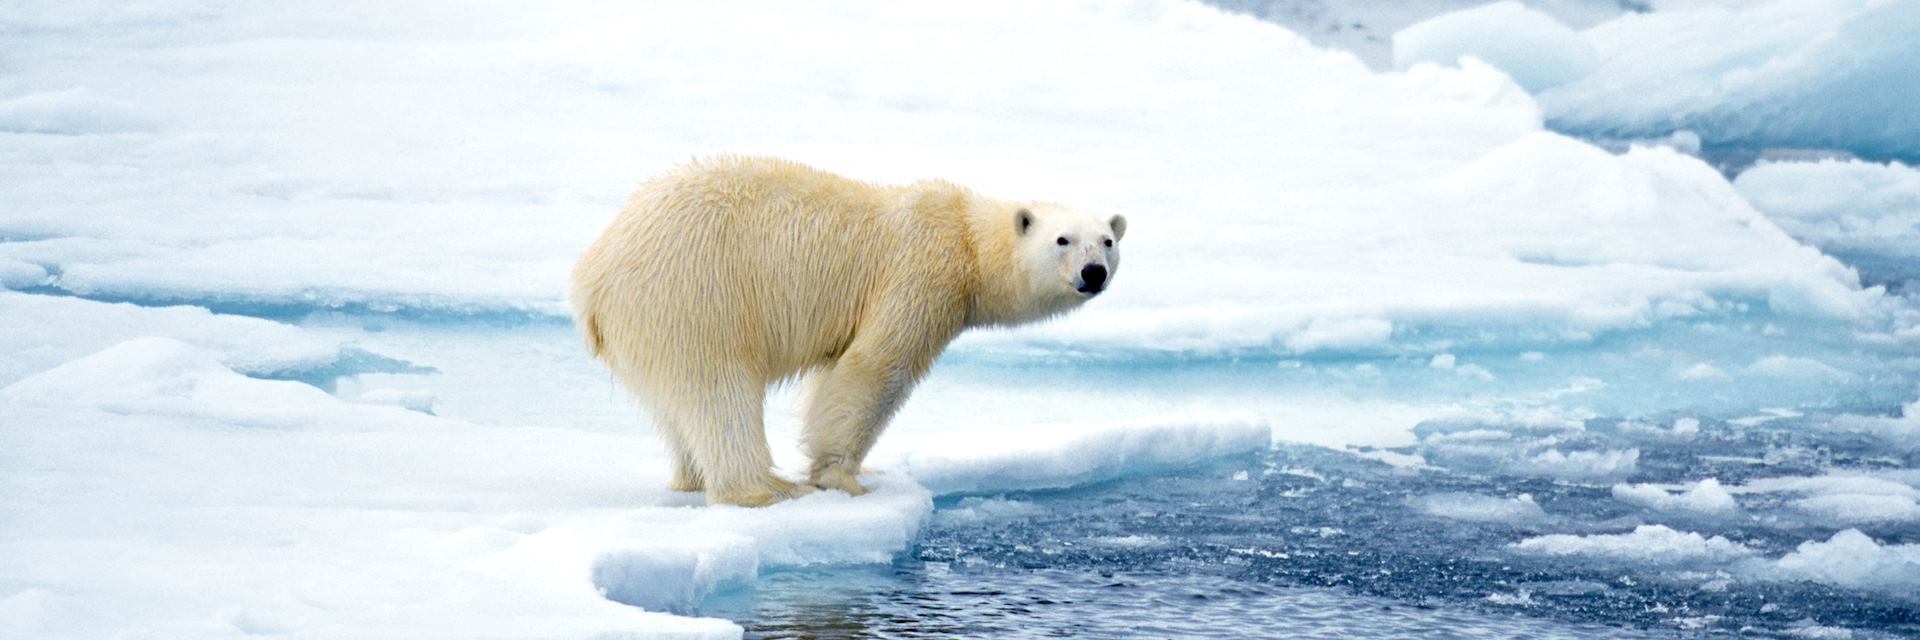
{"x": 1868, "y": 213}
{"x": 509, "y": 139}
{"x": 161, "y": 492}
{"x": 1366, "y": 29}
{"x": 18, "y": 274}
{"x": 62, "y": 329}
{"x": 1745, "y": 77}
{"x": 1807, "y": 74}
{"x": 164, "y": 377}
{"x": 286, "y": 352}
{"x": 280, "y": 499}
{"x": 1537, "y": 50}
{"x": 1055, "y": 456}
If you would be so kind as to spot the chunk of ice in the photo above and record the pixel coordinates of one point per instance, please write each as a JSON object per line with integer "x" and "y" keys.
{"x": 1533, "y": 47}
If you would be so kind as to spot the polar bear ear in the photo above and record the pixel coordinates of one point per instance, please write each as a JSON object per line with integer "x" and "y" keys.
{"x": 1022, "y": 221}
{"x": 1119, "y": 224}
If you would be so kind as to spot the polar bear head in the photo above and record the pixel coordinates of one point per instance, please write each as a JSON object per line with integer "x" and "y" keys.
{"x": 1069, "y": 256}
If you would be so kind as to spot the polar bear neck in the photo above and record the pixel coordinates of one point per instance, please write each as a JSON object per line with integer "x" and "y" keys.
{"x": 1002, "y": 295}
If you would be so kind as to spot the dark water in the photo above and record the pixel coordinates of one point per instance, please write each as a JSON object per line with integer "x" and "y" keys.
{"x": 1310, "y": 542}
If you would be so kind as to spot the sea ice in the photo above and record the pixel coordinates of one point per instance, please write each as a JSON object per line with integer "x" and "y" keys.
{"x": 1648, "y": 544}
{"x": 1866, "y": 213}
{"x": 1818, "y": 74}
{"x": 285, "y": 497}
{"x": 1537, "y": 50}
{"x": 1300, "y": 164}
{"x": 1547, "y": 446}
{"x": 46, "y": 331}
{"x": 1291, "y": 207}
{"x": 1704, "y": 497}
{"x": 1478, "y": 508}
{"x": 1852, "y": 559}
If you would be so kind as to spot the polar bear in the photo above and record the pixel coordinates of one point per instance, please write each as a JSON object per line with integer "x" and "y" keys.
{"x": 732, "y": 274}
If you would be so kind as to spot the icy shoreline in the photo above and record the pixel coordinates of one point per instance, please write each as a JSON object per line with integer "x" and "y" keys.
{"x": 179, "y": 459}
{"x": 285, "y": 352}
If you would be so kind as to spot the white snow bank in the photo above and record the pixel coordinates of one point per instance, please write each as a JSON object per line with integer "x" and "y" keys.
{"x": 1366, "y": 29}
{"x": 163, "y": 493}
{"x": 1866, "y": 213}
{"x": 67, "y": 112}
{"x": 1648, "y": 544}
{"x": 1705, "y": 497}
{"x": 44, "y": 331}
{"x": 1537, "y": 50}
{"x": 153, "y": 503}
{"x": 1823, "y": 74}
{"x": 19, "y": 274}
{"x": 669, "y": 559}
{"x": 165, "y": 377}
{"x": 1270, "y": 182}
{"x": 1058, "y": 456}
{"x": 1478, "y": 508}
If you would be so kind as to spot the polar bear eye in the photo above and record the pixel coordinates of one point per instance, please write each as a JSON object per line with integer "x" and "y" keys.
{"x": 1063, "y": 241}
{"x": 1109, "y": 242}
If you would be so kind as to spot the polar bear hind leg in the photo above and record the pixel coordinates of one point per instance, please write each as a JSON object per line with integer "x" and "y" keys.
{"x": 686, "y": 474}
{"x": 717, "y": 420}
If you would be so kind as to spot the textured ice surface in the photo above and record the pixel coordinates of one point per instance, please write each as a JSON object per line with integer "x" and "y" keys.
{"x": 372, "y": 419}
{"x": 45, "y": 331}
{"x": 151, "y": 459}
{"x": 1366, "y": 29}
{"x": 1537, "y": 50}
{"x": 465, "y": 157}
{"x": 1865, "y": 213}
{"x": 1738, "y": 78}
{"x": 1820, "y": 74}
{"x": 1654, "y": 545}
{"x": 1705, "y": 496}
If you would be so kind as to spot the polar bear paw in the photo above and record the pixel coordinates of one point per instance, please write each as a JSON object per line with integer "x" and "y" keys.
{"x": 767, "y": 491}
{"x": 839, "y": 479}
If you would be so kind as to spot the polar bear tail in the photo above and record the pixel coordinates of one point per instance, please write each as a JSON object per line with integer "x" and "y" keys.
{"x": 591, "y": 327}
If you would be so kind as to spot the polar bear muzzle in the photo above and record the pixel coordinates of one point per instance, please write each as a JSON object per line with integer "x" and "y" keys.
{"x": 1093, "y": 279}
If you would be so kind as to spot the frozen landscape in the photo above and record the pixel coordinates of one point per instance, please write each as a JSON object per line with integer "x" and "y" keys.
{"x": 1565, "y": 318}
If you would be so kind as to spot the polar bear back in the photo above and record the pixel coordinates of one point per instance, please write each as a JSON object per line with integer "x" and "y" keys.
{"x": 770, "y": 265}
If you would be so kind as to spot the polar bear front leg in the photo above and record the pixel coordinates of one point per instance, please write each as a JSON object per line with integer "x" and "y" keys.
{"x": 851, "y": 406}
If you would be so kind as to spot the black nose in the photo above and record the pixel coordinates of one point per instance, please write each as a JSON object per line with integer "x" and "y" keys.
{"x": 1095, "y": 277}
